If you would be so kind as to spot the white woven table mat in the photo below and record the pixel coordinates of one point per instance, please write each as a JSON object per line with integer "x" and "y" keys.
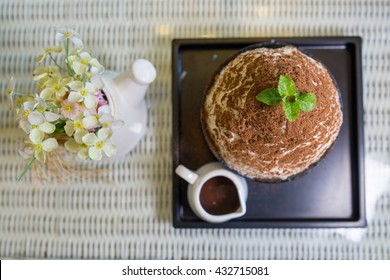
{"x": 127, "y": 213}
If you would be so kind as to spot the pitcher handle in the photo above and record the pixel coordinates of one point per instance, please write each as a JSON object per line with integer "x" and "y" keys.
{"x": 187, "y": 174}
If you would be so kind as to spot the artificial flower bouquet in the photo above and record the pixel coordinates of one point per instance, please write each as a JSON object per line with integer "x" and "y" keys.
{"x": 68, "y": 109}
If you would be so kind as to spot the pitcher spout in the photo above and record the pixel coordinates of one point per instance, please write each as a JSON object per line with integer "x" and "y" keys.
{"x": 133, "y": 84}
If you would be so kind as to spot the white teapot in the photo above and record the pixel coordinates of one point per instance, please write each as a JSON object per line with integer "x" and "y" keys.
{"x": 126, "y": 97}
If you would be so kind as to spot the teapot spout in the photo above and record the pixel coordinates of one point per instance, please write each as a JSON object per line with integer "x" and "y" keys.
{"x": 133, "y": 84}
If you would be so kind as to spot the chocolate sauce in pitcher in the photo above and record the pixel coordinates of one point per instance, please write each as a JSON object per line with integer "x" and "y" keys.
{"x": 219, "y": 196}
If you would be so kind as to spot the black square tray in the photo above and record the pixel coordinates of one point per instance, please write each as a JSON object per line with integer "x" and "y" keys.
{"x": 331, "y": 195}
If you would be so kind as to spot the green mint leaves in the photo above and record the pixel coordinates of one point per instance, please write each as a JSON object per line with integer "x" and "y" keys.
{"x": 291, "y": 109}
{"x": 307, "y": 101}
{"x": 269, "y": 96}
{"x": 293, "y": 101}
{"x": 286, "y": 86}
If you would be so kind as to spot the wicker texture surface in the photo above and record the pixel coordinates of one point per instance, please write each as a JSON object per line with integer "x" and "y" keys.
{"x": 125, "y": 210}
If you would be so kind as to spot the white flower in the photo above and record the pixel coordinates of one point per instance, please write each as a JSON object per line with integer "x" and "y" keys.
{"x": 48, "y": 51}
{"x": 83, "y": 63}
{"x": 45, "y": 127}
{"x": 45, "y": 72}
{"x": 74, "y": 146}
{"x": 10, "y": 86}
{"x": 107, "y": 120}
{"x": 39, "y": 105}
{"x": 55, "y": 85}
{"x": 97, "y": 80}
{"x": 40, "y": 113}
{"x": 84, "y": 94}
{"x": 64, "y": 33}
{"x": 33, "y": 115}
{"x": 39, "y": 146}
{"x": 80, "y": 125}
{"x": 29, "y": 117}
{"x": 10, "y": 90}
{"x": 99, "y": 143}
{"x": 26, "y": 153}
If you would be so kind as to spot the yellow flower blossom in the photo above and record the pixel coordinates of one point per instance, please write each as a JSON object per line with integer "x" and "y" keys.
{"x": 48, "y": 51}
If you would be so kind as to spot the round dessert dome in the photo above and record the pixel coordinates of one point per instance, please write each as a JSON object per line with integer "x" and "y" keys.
{"x": 257, "y": 140}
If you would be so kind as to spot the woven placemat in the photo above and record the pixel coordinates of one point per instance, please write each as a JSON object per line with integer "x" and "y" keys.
{"x": 126, "y": 213}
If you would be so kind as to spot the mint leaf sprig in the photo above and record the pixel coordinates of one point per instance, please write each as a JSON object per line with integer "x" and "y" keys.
{"x": 293, "y": 101}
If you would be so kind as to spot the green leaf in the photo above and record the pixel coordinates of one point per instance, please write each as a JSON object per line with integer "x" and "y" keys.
{"x": 286, "y": 86}
{"x": 60, "y": 127}
{"x": 291, "y": 109}
{"x": 307, "y": 101}
{"x": 269, "y": 96}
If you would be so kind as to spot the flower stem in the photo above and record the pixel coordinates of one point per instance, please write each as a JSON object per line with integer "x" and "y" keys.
{"x": 18, "y": 94}
{"x": 66, "y": 47}
{"x": 55, "y": 62}
{"x": 20, "y": 177}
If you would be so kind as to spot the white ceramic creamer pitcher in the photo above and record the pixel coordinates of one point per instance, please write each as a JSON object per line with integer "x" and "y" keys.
{"x": 206, "y": 190}
{"x": 126, "y": 97}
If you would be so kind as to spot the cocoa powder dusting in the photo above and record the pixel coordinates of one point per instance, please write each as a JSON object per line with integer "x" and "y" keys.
{"x": 256, "y": 139}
